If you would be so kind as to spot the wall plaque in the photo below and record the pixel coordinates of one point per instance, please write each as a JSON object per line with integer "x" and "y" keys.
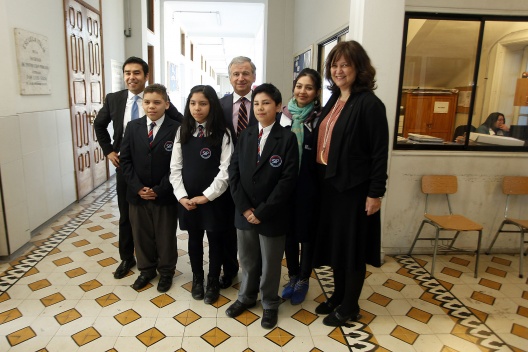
{"x": 33, "y": 62}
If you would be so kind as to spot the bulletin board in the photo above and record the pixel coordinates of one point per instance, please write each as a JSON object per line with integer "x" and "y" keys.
{"x": 302, "y": 61}
{"x": 464, "y": 99}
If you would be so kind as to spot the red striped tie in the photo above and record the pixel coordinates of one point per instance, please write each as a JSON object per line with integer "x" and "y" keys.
{"x": 242, "y": 116}
{"x": 151, "y": 133}
{"x": 200, "y": 131}
{"x": 258, "y": 144}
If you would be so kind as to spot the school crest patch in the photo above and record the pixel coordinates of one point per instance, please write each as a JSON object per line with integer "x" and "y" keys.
{"x": 205, "y": 153}
{"x": 168, "y": 146}
{"x": 275, "y": 161}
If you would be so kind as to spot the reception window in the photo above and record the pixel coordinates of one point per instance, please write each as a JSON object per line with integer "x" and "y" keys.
{"x": 462, "y": 85}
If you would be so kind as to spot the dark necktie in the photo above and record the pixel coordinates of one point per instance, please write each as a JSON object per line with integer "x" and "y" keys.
{"x": 200, "y": 131}
{"x": 258, "y": 144}
{"x": 134, "y": 114}
{"x": 151, "y": 133}
{"x": 242, "y": 116}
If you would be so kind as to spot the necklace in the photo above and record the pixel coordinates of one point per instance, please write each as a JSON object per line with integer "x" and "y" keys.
{"x": 334, "y": 114}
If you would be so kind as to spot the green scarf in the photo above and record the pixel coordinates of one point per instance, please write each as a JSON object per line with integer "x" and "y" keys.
{"x": 299, "y": 115}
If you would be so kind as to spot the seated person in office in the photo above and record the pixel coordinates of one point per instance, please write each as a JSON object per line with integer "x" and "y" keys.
{"x": 494, "y": 125}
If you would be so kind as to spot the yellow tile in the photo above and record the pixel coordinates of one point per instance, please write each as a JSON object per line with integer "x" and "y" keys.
{"x": 305, "y": 317}
{"x": 86, "y": 336}
{"x": 38, "y": 285}
{"x": 222, "y": 300}
{"x": 62, "y": 261}
{"x": 247, "y": 318}
{"x": 81, "y": 243}
{"x": 448, "y": 349}
{"x": 366, "y": 317}
{"x": 279, "y": 336}
{"x": 321, "y": 298}
{"x": 107, "y": 235}
{"x": 20, "y": 336}
{"x": 54, "y": 251}
{"x": 4, "y": 297}
{"x": 405, "y": 272}
{"x": 522, "y": 311}
{"x": 429, "y": 297}
{"x": 479, "y": 314}
{"x": 494, "y": 271}
{"x": 501, "y": 261}
{"x": 337, "y": 335}
{"x": 187, "y": 317}
{"x": 127, "y": 317}
{"x": 404, "y": 334}
{"x": 420, "y": 315}
{"x": 90, "y": 285}
{"x": 421, "y": 262}
{"x": 96, "y": 228}
{"x": 519, "y": 330}
{"x": 9, "y": 315}
{"x": 75, "y": 272}
{"x": 447, "y": 285}
{"x": 67, "y": 316}
{"x": 394, "y": 285}
{"x": 92, "y": 252}
{"x": 162, "y": 300}
{"x": 107, "y": 216}
{"x": 106, "y": 300}
{"x": 73, "y": 234}
{"x": 491, "y": 284}
{"x": 215, "y": 337}
{"x": 525, "y": 295}
{"x": 451, "y": 272}
{"x": 52, "y": 299}
{"x": 107, "y": 262}
{"x": 31, "y": 271}
{"x": 379, "y": 299}
{"x": 459, "y": 261}
{"x": 482, "y": 297}
{"x": 116, "y": 244}
{"x": 150, "y": 337}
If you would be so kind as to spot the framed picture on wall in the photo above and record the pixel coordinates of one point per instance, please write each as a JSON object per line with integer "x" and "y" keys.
{"x": 302, "y": 60}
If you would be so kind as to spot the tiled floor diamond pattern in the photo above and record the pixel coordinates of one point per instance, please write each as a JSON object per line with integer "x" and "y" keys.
{"x": 62, "y": 293}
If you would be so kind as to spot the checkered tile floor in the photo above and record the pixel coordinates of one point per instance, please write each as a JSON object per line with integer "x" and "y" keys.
{"x": 61, "y": 296}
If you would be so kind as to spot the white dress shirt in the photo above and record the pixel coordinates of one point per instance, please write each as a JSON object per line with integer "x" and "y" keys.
{"x": 156, "y": 128}
{"x": 220, "y": 182}
{"x": 265, "y": 135}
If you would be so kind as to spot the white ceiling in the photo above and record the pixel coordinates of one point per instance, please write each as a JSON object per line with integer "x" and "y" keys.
{"x": 219, "y": 30}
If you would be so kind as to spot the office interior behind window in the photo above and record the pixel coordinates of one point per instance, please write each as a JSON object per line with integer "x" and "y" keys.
{"x": 456, "y": 71}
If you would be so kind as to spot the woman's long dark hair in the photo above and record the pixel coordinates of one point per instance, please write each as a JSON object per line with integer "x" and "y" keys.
{"x": 356, "y": 55}
{"x": 492, "y": 118}
{"x": 216, "y": 124}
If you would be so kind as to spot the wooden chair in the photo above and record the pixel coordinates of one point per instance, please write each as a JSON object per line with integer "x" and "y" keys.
{"x": 438, "y": 185}
{"x": 514, "y": 186}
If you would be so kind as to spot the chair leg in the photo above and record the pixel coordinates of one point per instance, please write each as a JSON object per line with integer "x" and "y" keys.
{"x": 453, "y": 240}
{"x": 478, "y": 252}
{"x": 435, "y": 248}
{"x": 521, "y": 255}
{"x": 495, "y": 238}
{"x": 416, "y": 237}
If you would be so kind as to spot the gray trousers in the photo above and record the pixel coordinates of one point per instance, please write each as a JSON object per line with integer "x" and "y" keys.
{"x": 260, "y": 259}
{"x": 154, "y": 230}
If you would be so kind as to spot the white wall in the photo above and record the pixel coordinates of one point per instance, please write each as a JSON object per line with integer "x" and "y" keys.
{"x": 113, "y": 37}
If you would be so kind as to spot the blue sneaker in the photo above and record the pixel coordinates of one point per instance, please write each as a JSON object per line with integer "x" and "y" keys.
{"x": 290, "y": 287}
{"x": 299, "y": 293}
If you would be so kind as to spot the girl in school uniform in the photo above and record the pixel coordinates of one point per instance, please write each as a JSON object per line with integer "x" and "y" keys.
{"x": 200, "y": 157}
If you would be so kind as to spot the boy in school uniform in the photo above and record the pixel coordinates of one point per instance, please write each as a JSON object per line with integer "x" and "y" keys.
{"x": 145, "y": 159}
{"x": 262, "y": 177}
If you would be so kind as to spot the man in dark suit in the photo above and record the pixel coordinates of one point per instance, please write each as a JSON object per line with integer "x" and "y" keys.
{"x": 120, "y": 108}
{"x": 239, "y": 114}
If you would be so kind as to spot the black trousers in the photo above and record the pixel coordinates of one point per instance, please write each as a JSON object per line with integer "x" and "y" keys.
{"x": 195, "y": 248}
{"x": 347, "y": 289}
{"x": 302, "y": 267}
{"x": 126, "y": 240}
{"x": 230, "y": 253}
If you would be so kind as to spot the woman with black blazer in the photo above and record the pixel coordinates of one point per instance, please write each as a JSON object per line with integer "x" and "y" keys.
{"x": 352, "y": 148}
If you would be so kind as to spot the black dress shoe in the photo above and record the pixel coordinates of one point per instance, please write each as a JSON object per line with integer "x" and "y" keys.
{"x": 213, "y": 290}
{"x": 238, "y": 308}
{"x": 123, "y": 268}
{"x": 336, "y": 319}
{"x": 197, "y": 289}
{"x": 269, "y": 318}
{"x": 142, "y": 281}
{"x": 226, "y": 281}
{"x": 326, "y": 307}
{"x": 164, "y": 283}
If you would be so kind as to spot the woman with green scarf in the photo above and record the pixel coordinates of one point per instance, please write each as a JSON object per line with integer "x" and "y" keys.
{"x": 301, "y": 115}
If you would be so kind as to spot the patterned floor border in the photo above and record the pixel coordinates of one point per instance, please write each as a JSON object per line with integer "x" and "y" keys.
{"x": 36, "y": 255}
{"x": 360, "y": 338}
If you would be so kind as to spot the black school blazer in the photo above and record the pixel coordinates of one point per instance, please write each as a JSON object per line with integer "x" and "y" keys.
{"x": 268, "y": 186}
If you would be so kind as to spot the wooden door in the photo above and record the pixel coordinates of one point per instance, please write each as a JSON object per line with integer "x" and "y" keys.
{"x": 85, "y": 74}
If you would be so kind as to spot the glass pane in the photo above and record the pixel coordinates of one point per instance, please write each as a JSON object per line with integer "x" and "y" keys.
{"x": 437, "y": 80}
{"x": 503, "y": 60}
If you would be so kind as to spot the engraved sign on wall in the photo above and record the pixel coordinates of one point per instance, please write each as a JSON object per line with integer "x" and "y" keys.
{"x": 33, "y": 62}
